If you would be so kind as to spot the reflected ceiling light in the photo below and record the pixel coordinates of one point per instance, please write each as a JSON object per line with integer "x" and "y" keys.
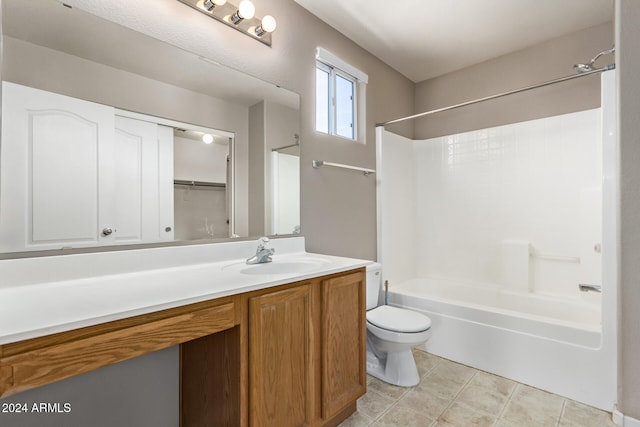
{"x": 241, "y": 18}
{"x": 207, "y": 138}
{"x": 246, "y": 10}
{"x": 268, "y": 25}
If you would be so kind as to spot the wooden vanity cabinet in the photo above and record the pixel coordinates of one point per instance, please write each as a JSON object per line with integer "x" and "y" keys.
{"x": 302, "y": 358}
{"x": 288, "y": 356}
{"x": 307, "y": 350}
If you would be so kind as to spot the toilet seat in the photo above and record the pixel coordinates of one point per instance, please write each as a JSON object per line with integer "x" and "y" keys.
{"x": 398, "y": 320}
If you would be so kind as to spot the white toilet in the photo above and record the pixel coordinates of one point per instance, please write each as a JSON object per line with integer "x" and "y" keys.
{"x": 391, "y": 333}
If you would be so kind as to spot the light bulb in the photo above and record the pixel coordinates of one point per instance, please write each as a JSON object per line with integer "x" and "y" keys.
{"x": 207, "y": 138}
{"x": 211, "y": 4}
{"x": 246, "y": 9}
{"x": 268, "y": 23}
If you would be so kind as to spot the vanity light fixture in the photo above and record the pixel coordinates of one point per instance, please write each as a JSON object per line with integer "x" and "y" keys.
{"x": 241, "y": 18}
{"x": 207, "y": 138}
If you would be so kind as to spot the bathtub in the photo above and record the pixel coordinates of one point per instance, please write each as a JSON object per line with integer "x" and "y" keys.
{"x": 554, "y": 344}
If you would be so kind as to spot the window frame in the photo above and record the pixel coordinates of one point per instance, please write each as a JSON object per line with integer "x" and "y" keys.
{"x": 334, "y": 71}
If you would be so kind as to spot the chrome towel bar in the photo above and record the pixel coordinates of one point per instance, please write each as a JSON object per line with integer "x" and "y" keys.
{"x": 317, "y": 163}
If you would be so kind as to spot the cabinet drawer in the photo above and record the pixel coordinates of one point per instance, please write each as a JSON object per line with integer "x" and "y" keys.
{"x": 54, "y": 362}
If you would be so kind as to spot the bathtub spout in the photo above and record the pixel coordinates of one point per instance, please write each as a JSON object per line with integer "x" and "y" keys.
{"x": 592, "y": 288}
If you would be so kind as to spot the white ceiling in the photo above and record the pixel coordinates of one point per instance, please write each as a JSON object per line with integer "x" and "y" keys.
{"x": 426, "y": 38}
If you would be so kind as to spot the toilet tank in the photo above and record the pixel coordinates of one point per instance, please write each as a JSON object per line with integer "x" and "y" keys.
{"x": 374, "y": 279}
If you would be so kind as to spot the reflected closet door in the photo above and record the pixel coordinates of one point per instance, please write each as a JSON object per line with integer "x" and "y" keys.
{"x": 54, "y": 184}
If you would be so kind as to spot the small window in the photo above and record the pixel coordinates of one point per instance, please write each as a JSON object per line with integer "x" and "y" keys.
{"x": 336, "y": 97}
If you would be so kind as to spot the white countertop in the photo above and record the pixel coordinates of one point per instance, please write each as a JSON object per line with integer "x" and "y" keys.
{"x": 43, "y": 296}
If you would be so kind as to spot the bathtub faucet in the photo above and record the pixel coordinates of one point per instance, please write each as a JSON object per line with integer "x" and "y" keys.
{"x": 263, "y": 254}
{"x": 587, "y": 288}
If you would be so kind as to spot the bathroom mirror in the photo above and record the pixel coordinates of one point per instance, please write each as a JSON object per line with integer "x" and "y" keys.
{"x": 254, "y": 127}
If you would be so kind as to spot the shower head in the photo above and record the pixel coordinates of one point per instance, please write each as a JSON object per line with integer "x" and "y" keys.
{"x": 583, "y": 68}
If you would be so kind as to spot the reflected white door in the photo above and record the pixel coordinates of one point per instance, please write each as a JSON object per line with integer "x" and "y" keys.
{"x": 54, "y": 184}
{"x": 74, "y": 175}
{"x": 143, "y": 181}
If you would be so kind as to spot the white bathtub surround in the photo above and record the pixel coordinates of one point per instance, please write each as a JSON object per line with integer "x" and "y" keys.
{"x": 41, "y": 296}
{"x": 515, "y": 264}
{"x": 623, "y": 420}
{"x": 504, "y": 192}
{"x": 504, "y": 223}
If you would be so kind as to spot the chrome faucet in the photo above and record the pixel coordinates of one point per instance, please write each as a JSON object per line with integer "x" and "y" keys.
{"x": 263, "y": 254}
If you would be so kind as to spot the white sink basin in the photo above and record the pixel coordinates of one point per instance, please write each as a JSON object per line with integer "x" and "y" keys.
{"x": 279, "y": 266}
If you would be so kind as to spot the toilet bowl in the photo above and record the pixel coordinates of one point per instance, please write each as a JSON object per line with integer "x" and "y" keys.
{"x": 391, "y": 334}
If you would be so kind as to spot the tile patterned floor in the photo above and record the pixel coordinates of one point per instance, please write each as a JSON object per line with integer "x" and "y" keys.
{"x": 454, "y": 395}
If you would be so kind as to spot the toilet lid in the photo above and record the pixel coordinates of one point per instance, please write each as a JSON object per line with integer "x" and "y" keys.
{"x": 398, "y": 319}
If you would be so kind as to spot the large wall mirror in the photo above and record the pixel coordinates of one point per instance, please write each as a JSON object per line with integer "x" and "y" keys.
{"x": 111, "y": 137}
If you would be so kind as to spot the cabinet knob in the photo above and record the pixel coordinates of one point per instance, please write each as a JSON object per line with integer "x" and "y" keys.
{"x": 107, "y": 231}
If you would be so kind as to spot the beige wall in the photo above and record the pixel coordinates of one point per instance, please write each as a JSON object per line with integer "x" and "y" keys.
{"x": 539, "y": 63}
{"x": 627, "y": 36}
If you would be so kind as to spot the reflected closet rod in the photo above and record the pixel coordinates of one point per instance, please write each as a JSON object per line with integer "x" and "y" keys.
{"x": 199, "y": 183}
{"x": 500, "y": 95}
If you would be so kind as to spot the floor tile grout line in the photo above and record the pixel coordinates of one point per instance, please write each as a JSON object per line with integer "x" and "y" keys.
{"x": 396, "y": 401}
{"x": 386, "y": 410}
{"x": 564, "y": 404}
{"x": 504, "y": 408}
{"x": 453, "y": 399}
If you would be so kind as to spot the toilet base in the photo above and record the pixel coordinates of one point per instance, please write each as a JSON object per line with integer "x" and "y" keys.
{"x": 396, "y": 367}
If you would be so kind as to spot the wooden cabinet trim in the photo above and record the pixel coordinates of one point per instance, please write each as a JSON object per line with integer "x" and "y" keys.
{"x": 43, "y": 364}
{"x": 89, "y": 331}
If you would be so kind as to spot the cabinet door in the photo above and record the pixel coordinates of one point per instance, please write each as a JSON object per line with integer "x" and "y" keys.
{"x": 279, "y": 358}
{"x": 343, "y": 342}
{"x": 52, "y": 175}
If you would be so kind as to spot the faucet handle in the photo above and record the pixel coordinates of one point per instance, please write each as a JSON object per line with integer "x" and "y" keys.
{"x": 263, "y": 242}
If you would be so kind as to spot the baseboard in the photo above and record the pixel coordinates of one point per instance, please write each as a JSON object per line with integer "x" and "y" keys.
{"x": 622, "y": 420}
